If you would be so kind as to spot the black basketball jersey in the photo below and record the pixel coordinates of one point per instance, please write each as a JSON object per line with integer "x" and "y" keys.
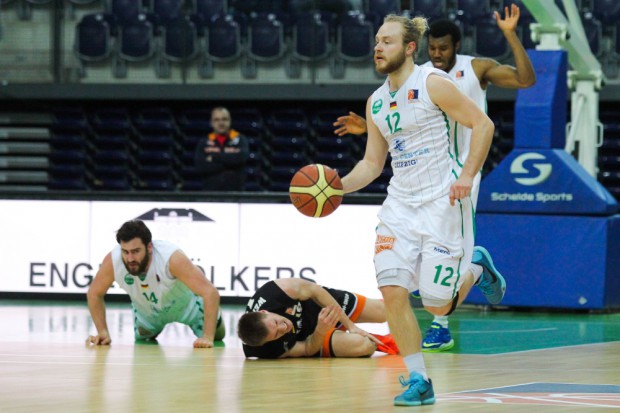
{"x": 303, "y": 314}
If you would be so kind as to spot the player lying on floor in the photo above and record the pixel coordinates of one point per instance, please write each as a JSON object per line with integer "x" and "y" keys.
{"x": 298, "y": 318}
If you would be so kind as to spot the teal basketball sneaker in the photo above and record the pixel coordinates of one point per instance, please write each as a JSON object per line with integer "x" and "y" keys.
{"x": 420, "y": 392}
{"x": 491, "y": 282}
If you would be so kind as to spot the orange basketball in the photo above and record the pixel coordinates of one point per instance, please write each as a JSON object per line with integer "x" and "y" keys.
{"x": 316, "y": 190}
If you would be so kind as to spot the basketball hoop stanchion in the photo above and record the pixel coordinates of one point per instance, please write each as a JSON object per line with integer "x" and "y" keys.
{"x": 552, "y": 226}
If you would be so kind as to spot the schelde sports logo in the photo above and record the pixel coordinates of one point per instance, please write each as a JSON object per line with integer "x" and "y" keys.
{"x": 530, "y": 169}
{"x": 517, "y": 168}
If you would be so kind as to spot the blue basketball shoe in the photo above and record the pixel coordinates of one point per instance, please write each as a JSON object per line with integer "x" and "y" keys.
{"x": 436, "y": 339}
{"x": 420, "y": 392}
{"x": 491, "y": 282}
{"x": 416, "y": 294}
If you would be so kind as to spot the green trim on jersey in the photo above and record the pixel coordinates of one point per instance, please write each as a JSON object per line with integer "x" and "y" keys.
{"x": 456, "y": 144}
{"x": 445, "y": 118}
{"x": 458, "y": 272}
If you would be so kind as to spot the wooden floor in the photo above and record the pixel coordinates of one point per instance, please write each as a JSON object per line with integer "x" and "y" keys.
{"x": 46, "y": 367}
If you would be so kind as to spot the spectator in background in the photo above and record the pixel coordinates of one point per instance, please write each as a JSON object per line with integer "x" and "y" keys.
{"x": 222, "y": 155}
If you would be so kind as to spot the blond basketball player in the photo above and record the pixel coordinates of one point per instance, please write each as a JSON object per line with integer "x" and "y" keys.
{"x": 472, "y": 76}
{"x": 425, "y": 232}
{"x": 164, "y": 287}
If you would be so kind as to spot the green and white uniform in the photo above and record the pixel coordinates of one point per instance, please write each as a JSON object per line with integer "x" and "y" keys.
{"x": 158, "y": 298}
{"x": 466, "y": 80}
{"x": 422, "y": 242}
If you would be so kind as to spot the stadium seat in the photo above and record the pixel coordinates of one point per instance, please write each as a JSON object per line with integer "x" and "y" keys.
{"x": 310, "y": 42}
{"x": 93, "y": 41}
{"x": 355, "y": 42}
{"x": 606, "y": 11}
{"x": 125, "y": 11}
{"x": 288, "y": 121}
{"x": 259, "y": 6}
{"x": 105, "y": 141}
{"x": 594, "y": 33}
{"x": 111, "y": 171}
{"x": 470, "y": 11}
{"x": 107, "y": 119}
{"x": 382, "y": 8}
{"x": 208, "y": 9}
{"x": 167, "y": 11}
{"x": 154, "y": 170}
{"x": 489, "y": 40}
{"x": 248, "y": 121}
{"x": 67, "y": 162}
{"x": 195, "y": 121}
{"x": 156, "y": 141}
{"x": 136, "y": 44}
{"x": 69, "y": 119}
{"x": 265, "y": 43}
{"x": 332, "y": 144}
{"x": 61, "y": 141}
{"x": 323, "y": 120}
{"x": 431, "y": 9}
{"x": 155, "y": 120}
{"x": 334, "y": 159}
{"x": 179, "y": 45}
{"x": 223, "y": 43}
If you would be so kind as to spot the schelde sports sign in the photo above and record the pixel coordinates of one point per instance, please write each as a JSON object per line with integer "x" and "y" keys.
{"x": 57, "y": 246}
{"x": 543, "y": 181}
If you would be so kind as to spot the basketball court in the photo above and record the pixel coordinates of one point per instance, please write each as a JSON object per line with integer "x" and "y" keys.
{"x": 525, "y": 361}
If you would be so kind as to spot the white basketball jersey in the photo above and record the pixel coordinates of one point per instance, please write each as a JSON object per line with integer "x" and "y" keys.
{"x": 159, "y": 295}
{"x": 416, "y": 131}
{"x": 466, "y": 80}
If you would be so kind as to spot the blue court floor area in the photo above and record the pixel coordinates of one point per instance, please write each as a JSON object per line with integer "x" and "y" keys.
{"x": 475, "y": 330}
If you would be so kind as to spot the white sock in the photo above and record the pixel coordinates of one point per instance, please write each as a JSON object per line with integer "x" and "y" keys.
{"x": 441, "y": 320}
{"x": 476, "y": 270}
{"x": 415, "y": 362}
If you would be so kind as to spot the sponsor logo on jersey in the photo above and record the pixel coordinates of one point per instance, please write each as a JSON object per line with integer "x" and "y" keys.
{"x": 376, "y": 106}
{"x": 383, "y": 243}
{"x": 412, "y": 95}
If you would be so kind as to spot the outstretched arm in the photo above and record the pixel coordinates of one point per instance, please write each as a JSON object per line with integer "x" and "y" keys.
{"x": 518, "y": 77}
{"x": 186, "y": 272}
{"x": 96, "y": 305}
